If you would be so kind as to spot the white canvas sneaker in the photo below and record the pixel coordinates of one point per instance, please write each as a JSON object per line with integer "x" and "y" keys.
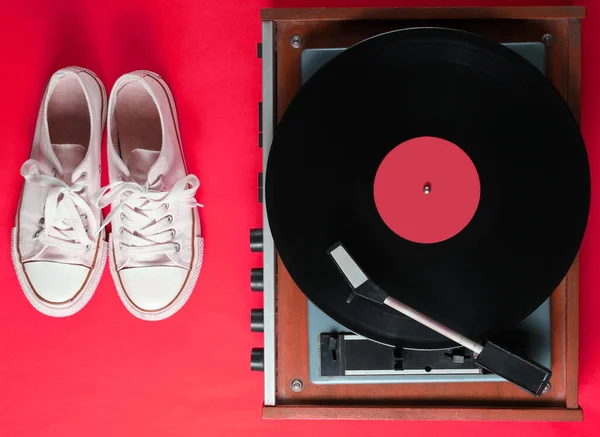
{"x": 56, "y": 249}
{"x": 155, "y": 248}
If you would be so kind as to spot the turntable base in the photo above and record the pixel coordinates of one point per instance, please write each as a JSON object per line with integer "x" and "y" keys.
{"x": 289, "y": 391}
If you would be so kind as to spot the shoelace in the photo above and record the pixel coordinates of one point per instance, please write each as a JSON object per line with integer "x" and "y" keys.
{"x": 65, "y": 211}
{"x": 144, "y": 212}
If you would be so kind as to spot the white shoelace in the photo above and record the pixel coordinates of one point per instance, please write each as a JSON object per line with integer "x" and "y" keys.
{"x": 66, "y": 212}
{"x": 144, "y": 211}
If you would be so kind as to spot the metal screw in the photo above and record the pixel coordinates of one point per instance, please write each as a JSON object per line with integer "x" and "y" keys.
{"x": 296, "y": 41}
{"x": 548, "y": 39}
{"x": 427, "y": 188}
{"x": 547, "y": 388}
{"x": 297, "y": 385}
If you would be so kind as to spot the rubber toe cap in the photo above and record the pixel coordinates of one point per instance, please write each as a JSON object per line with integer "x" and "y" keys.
{"x": 153, "y": 288}
{"x": 55, "y": 282}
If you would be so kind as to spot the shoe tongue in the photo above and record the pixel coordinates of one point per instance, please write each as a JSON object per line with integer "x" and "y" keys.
{"x": 139, "y": 164}
{"x": 69, "y": 156}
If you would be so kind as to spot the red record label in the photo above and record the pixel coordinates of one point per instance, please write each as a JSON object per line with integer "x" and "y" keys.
{"x": 427, "y": 189}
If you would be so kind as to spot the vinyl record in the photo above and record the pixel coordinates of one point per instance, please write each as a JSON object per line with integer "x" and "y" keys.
{"x": 448, "y": 166}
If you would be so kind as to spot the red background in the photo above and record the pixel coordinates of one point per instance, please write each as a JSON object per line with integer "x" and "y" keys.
{"x": 102, "y": 372}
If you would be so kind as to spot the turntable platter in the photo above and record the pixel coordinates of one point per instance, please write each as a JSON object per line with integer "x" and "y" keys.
{"x": 449, "y": 167}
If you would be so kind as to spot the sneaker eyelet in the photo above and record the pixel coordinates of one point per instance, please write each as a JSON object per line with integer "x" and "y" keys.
{"x": 172, "y": 232}
{"x": 83, "y": 176}
{"x": 42, "y": 220}
{"x": 54, "y": 172}
{"x": 88, "y": 247}
{"x": 122, "y": 216}
{"x": 121, "y": 230}
{"x": 37, "y": 233}
{"x": 167, "y": 206}
{"x": 84, "y": 190}
{"x": 170, "y": 218}
{"x": 84, "y": 216}
{"x": 177, "y": 247}
{"x": 85, "y": 229}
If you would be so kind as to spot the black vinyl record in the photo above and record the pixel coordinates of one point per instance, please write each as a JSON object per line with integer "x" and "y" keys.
{"x": 429, "y": 82}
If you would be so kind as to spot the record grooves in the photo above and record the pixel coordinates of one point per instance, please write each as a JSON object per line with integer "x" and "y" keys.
{"x": 501, "y": 112}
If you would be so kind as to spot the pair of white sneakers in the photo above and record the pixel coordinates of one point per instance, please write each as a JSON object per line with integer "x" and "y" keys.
{"x": 58, "y": 242}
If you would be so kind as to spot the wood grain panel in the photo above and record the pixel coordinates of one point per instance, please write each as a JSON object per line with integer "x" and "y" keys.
{"x": 420, "y": 413}
{"x": 472, "y": 13}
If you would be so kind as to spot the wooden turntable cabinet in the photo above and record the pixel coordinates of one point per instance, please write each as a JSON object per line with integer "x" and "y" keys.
{"x": 289, "y": 392}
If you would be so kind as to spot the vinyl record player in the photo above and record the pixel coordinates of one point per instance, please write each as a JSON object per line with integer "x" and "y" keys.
{"x": 317, "y": 368}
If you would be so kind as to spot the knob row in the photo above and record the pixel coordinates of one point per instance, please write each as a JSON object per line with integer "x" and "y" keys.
{"x": 257, "y": 315}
